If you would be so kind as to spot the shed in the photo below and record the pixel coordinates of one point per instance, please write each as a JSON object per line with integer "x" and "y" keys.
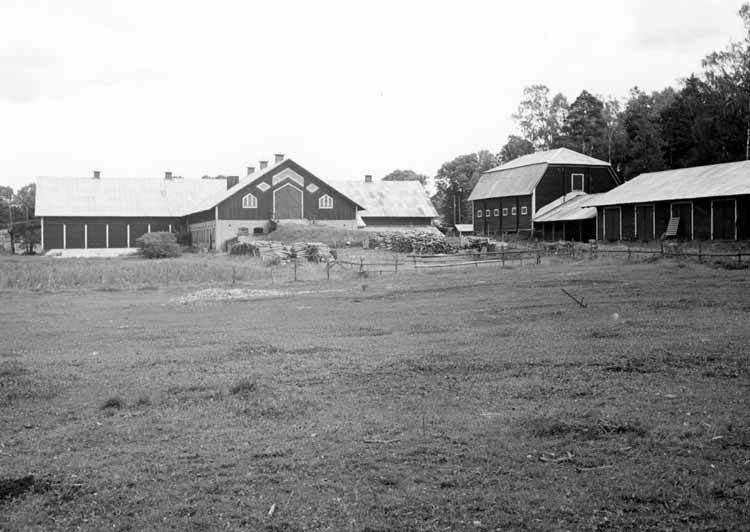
{"x": 568, "y": 218}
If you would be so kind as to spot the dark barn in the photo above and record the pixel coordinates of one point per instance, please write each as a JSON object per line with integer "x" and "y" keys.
{"x": 699, "y": 203}
{"x": 506, "y": 198}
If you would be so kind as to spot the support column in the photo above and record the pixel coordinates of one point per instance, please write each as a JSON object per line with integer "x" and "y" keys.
{"x": 86, "y": 236}
{"x": 106, "y": 236}
{"x": 127, "y": 231}
{"x": 65, "y": 236}
{"x": 42, "y": 236}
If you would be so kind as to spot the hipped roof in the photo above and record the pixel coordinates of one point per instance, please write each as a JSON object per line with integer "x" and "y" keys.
{"x": 520, "y": 176}
{"x": 715, "y": 180}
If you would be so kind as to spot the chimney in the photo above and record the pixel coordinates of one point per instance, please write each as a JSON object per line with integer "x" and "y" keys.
{"x": 278, "y": 157}
{"x": 232, "y": 180}
{"x": 167, "y": 175}
{"x": 250, "y": 170}
{"x": 368, "y": 178}
{"x": 97, "y": 174}
{"x": 263, "y": 165}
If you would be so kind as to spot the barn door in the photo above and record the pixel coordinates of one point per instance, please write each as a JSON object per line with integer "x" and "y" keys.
{"x": 287, "y": 202}
{"x": 612, "y": 224}
{"x": 684, "y": 211}
{"x": 644, "y": 219}
{"x": 723, "y": 219}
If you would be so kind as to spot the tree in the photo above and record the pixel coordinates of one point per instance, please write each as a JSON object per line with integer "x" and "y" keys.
{"x": 643, "y": 131}
{"x": 456, "y": 179}
{"x": 585, "y": 128}
{"x": 540, "y": 119}
{"x": 26, "y": 200}
{"x": 406, "y": 175}
{"x": 514, "y": 148}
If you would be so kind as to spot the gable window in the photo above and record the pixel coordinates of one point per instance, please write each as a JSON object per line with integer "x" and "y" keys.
{"x": 487, "y": 213}
{"x": 249, "y": 202}
{"x": 524, "y": 210}
{"x": 497, "y": 212}
{"x": 505, "y": 211}
{"x": 479, "y": 213}
{"x": 325, "y": 202}
{"x": 576, "y": 182}
{"x": 513, "y": 211}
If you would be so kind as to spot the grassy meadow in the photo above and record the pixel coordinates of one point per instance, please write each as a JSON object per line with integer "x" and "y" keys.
{"x": 471, "y": 399}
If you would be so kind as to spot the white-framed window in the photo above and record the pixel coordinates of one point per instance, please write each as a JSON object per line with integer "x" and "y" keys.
{"x": 249, "y": 202}
{"x": 325, "y": 202}
{"x": 488, "y": 213}
{"x": 513, "y": 211}
{"x": 576, "y": 182}
{"x": 524, "y": 210}
{"x": 479, "y": 213}
{"x": 497, "y": 212}
{"x": 505, "y": 211}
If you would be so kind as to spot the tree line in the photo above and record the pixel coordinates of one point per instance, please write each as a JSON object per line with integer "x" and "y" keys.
{"x": 704, "y": 120}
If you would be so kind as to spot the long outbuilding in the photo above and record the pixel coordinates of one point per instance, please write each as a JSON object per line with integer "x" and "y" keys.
{"x": 699, "y": 203}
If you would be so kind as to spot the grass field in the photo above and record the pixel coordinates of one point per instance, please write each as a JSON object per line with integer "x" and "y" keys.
{"x": 481, "y": 399}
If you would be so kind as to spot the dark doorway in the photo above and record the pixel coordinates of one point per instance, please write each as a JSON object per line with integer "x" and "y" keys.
{"x": 723, "y": 219}
{"x": 612, "y": 224}
{"x": 644, "y": 219}
{"x": 683, "y": 211}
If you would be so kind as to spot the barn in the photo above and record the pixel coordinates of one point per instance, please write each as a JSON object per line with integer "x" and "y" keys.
{"x": 95, "y": 212}
{"x": 567, "y": 218}
{"x": 700, "y": 203}
{"x": 392, "y": 205}
{"x": 507, "y": 198}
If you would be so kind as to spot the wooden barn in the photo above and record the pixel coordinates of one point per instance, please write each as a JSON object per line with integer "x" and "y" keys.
{"x": 112, "y": 213}
{"x": 507, "y": 198}
{"x": 700, "y": 203}
{"x": 392, "y": 205}
{"x": 96, "y": 212}
{"x": 567, "y": 218}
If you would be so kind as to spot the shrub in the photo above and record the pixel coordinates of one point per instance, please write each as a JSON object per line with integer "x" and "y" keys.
{"x": 243, "y": 387}
{"x": 243, "y": 248}
{"x": 160, "y": 244}
{"x": 113, "y": 402}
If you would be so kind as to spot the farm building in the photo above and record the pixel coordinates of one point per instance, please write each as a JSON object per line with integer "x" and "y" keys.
{"x": 113, "y": 213}
{"x": 507, "y": 198}
{"x": 567, "y": 218}
{"x": 702, "y": 203}
{"x": 392, "y": 205}
{"x": 96, "y": 212}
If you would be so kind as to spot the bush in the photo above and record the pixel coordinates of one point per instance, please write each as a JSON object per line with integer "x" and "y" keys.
{"x": 160, "y": 244}
{"x": 243, "y": 248}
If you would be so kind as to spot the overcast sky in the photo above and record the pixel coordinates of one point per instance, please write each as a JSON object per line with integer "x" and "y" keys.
{"x": 134, "y": 88}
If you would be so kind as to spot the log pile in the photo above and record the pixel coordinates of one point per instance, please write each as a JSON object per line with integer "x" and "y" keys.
{"x": 411, "y": 242}
{"x": 274, "y": 251}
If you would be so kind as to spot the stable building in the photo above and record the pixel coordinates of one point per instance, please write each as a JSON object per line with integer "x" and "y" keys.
{"x": 112, "y": 213}
{"x": 700, "y": 203}
{"x": 506, "y": 199}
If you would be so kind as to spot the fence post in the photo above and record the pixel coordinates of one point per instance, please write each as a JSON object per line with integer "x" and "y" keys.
{"x": 538, "y": 258}
{"x": 295, "y": 268}
{"x": 662, "y": 248}
{"x": 629, "y": 252}
{"x": 361, "y": 264}
{"x": 234, "y": 274}
{"x": 396, "y": 264}
{"x": 328, "y": 271}
{"x": 700, "y": 252}
{"x": 739, "y": 257}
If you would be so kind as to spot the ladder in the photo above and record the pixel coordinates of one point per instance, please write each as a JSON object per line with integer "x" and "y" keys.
{"x": 672, "y": 227}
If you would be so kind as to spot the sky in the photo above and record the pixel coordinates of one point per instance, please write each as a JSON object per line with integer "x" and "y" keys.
{"x": 135, "y": 88}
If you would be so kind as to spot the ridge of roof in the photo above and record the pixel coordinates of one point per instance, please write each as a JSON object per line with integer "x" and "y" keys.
{"x": 556, "y": 156}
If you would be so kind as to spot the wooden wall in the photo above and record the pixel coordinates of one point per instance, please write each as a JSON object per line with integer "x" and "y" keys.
{"x": 502, "y": 223}
{"x": 91, "y": 232}
{"x": 557, "y": 182}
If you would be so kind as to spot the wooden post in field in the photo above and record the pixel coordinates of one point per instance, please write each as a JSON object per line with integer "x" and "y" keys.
{"x": 294, "y": 260}
{"x": 629, "y": 252}
{"x": 538, "y": 257}
{"x": 328, "y": 271}
{"x": 234, "y": 274}
{"x": 395, "y": 264}
{"x": 361, "y": 264}
{"x": 662, "y": 248}
{"x": 502, "y": 257}
{"x": 700, "y": 252}
{"x": 739, "y": 257}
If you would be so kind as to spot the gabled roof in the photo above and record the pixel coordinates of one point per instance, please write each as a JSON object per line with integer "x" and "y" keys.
{"x": 86, "y": 196}
{"x": 390, "y": 199}
{"x": 571, "y": 207}
{"x": 214, "y": 199}
{"x": 715, "y": 180}
{"x": 520, "y": 176}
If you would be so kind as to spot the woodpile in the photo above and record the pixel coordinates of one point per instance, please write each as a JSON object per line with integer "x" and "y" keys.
{"x": 275, "y": 251}
{"x": 411, "y": 242}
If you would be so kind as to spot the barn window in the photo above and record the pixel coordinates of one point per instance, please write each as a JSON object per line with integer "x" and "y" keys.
{"x": 576, "y": 182}
{"x": 479, "y": 213}
{"x": 249, "y": 202}
{"x": 505, "y": 211}
{"x": 524, "y": 210}
{"x": 325, "y": 202}
{"x": 497, "y": 212}
{"x": 487, "y": 213}
{"x": 513, "y": 211}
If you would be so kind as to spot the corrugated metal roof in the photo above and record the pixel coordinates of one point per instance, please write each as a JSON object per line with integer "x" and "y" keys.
{"x": 727, "y": 179}
{"x": 508, "y": 182}
{"x": 397, "y": 199}
{"x": 207, "y": 202}
{"x": 571, "y": 207}
{"x": 465, "y": 228}
{"x": 86, "y": 196}
{"x": 557, "y": 156}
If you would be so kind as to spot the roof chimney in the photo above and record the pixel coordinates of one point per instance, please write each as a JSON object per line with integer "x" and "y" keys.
{"x": 250, "y": 170}
{"x": 368, "y": 178}
{"x": 278, "y": 157}
{"x": 167, "y": 175}
{"x": 232, "y": 180}
{"x": 97, "y": 174}
{"x": 263, "y": 165}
